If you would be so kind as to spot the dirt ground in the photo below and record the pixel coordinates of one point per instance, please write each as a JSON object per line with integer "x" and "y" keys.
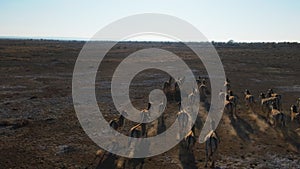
{"x": 39, "y": 127}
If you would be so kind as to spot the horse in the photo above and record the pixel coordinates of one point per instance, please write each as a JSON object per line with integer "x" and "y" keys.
{"x": 177, "y": 94}
{"x": 211, "y": 146}
{"x": 266, "y": 103}
{"x": 277, "y": 116}
{"x": 192, "y": 96}
{"x": 227, "y": 84}
{"x": 118, "y": 122}
{"x": 145, "y": 114}
{"x": 249, "y": 99}
{"x": 190, "y": 140}
{"x": 233, "y": 98}
{"x": 138, "y": 130}
{"x": 183, "y": 120}
{"x": 295, "y": 115}
{"x": 271, "y": 94}
{"x": 167, "y": 88}
{"x": 229, "y": 107}
{"x": 294, "y": 112}
{"x": 203, "y": 92}
{"x": 298, "y": 104}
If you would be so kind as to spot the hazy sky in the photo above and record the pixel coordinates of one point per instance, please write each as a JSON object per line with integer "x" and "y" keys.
{"x": 222, "y": 20}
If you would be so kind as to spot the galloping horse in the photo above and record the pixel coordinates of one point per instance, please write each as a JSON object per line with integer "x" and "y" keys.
{"x": 229, "y": 107}
{"x": 183, "y": 120}
{"x": 249, "y": 99}
{"x": 211, "y": 146}
{"x": 118, "y": 122}
{"x": 277, "y": 116}
{"x": 190, "y": 140}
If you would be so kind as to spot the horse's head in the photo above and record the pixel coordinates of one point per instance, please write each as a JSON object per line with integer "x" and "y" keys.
{"x": 294, "y": 108}
{"x": 227, "y": 97}
{"x": 273, "y": 105}
{"x": 230, "y": 92}
{"x": 124, "y": 113}
{"x": 270, "y": 92}
{"x": 247, "y": 92}
{"x": 262, "y": 95}
{"x": 149, "y": 106}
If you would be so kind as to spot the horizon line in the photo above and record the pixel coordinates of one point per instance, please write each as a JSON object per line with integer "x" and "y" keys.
{"x": 88, "y": 39}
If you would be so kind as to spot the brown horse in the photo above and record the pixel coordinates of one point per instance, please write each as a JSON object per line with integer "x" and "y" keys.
{"x": 203, "y": 92}
{"x": 211, "y": 146}
{"x": 277, "y": 117}
{"x": 229, "y": 107}
{"x": 298, "y": 104}
{"x": 249, "y": 99}
{"x": 118, "y": 122}
{"x": 190, "y": 139}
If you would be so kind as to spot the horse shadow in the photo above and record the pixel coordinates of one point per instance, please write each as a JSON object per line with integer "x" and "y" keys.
{"x": 261, "y": 114}
{"x": 161, "y": 126}
{"x": 135, "y": 163}
{"x": 142, "y": 149}
{"x": 107, "y": 161}
{"x": 207, "y": 106}
{"x": 291, "y": 137}
{"x": 242, "y": 128}
{"x": 198, "y": 122}
{"x": 186, "y": 158}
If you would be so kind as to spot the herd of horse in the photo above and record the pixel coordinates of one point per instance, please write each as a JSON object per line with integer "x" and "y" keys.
{"x": 269, "y": 103}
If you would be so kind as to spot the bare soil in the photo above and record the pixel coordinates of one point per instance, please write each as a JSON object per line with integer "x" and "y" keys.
{"x": 39, "y": 127}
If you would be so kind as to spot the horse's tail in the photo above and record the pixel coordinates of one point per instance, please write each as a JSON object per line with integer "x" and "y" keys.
{"x": 252, "y": 99}
{"x": 210, "y": 145}
{"x": 283, "y": 120}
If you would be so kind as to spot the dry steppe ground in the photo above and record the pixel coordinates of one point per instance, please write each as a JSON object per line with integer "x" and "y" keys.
{"x": 39, "y": 127}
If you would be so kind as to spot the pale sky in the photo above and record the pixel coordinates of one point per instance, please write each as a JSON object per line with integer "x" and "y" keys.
{"x": 240, "y": 20}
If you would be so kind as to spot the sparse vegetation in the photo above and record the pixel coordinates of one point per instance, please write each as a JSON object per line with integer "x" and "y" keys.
{"x": 38, "y": 119}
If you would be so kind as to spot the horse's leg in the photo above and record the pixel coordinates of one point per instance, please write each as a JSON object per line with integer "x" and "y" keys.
{"x": 235, "y": 116}
{"x": 214, "y": 153}
{"x": 263, "y": 108}
{"x": 213, "y": 164}
{"x": 206, "y": 154}
{"x": 275, "y": 121}
{"x": 180, "y": 128}
{"x": 187, "y": 144}
{"x": 130, "y": 138}
{"x": 184, "y": 125}
{"x": 122, "y": 127}
{"x": 129, "y": 141}
{"x": 282, "y": 120}
{"x": 211, "y": 148}
{"x": 145, "y": 130}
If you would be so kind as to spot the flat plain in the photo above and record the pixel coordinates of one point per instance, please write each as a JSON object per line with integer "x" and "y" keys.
{"x": 39, "y": 127}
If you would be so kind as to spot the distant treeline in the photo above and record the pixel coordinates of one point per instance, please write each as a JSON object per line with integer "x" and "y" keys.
{"x": 228, "y": 44}
{"x": 255, "y": 44}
